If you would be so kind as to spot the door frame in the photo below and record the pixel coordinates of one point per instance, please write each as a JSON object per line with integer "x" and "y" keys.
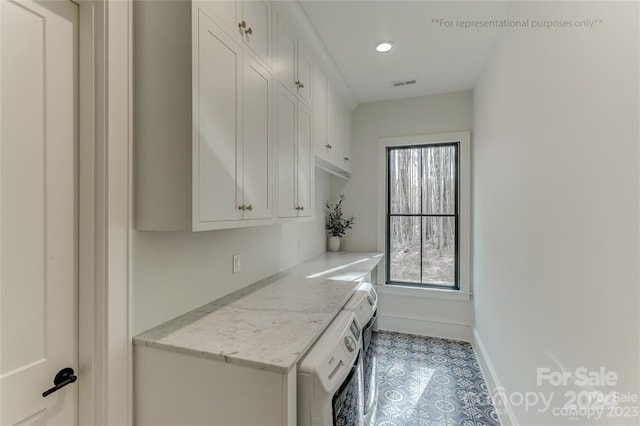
{"x": 105, "y": 214}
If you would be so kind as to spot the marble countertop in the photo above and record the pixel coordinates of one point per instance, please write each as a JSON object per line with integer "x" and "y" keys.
{"x": 270, "y": 324}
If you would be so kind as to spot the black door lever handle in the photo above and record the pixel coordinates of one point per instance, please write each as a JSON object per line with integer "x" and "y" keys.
{"x": 65, "y": 377}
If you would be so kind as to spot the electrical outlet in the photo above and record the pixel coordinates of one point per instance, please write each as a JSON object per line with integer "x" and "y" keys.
{"x": 236, "y": 263}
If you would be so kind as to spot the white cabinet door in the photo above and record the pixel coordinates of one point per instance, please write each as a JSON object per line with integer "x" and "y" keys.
{"x": 335, "y": 125}
{"x": 295, "y": 172}
{"x": 216, "y": 185}
{"x": 293, "y": 63}
{"x": 256, "y": 15}
{"x": 347, "y": 140}
{"x": 286, "y": 153}
{"x": 226, "y": 12}
{"x": 303, "y": 73}
{"x": 303, "y": 162}
{"x": 219, "y": 94}
{"x": 320, "y": 112}
{"x": 258, "y": 158}
{"x": 286, "y": 62}
{"x": 249, "y": 21}
{"x": 38, "y": 210}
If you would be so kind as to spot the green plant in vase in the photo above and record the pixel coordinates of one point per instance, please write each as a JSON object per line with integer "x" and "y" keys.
{"x": 337, "y": 226}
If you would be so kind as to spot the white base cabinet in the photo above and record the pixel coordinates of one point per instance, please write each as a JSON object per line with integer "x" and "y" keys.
{"x": 203, "y": 132}
{"x": 178, "y": 389}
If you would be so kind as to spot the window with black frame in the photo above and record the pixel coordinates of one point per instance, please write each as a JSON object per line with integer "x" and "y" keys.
{"x": 422, "y": 215}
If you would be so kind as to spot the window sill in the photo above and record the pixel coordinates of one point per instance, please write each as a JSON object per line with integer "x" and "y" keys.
{"x": 425, "y": 293}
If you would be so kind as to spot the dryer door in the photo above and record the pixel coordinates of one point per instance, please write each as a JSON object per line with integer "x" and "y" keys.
{"x": 369, "y": 364}
{"x": 348, "y": 401}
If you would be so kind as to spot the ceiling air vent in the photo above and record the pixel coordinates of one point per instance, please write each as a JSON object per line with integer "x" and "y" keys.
{"x": 402, "y": 83}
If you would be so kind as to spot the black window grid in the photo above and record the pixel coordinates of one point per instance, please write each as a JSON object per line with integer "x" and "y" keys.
{"x": 454, "y": 215}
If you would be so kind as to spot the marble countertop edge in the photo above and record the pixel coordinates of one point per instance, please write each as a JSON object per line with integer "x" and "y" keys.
{"x": 215, "y": 356}
{"x": 301, "y": 301}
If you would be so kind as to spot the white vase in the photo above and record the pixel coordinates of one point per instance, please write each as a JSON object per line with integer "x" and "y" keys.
{"x": 334, "y": 243}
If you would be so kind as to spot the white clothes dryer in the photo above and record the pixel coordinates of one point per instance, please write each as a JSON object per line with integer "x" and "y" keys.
{"x": 330, "y": 377}
{"x": 364, "y": 303}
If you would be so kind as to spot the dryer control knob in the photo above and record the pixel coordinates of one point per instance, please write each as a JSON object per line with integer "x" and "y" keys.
{"x": 370, "y": 299}
{"x": 350, "y": 343}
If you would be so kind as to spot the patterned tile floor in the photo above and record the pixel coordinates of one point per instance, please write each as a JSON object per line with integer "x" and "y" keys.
{"x": 429, "y": 381}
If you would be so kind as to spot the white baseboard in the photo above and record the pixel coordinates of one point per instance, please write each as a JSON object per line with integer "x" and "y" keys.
{"x": 505, "y": 411}
{"x": 424, "y": 327}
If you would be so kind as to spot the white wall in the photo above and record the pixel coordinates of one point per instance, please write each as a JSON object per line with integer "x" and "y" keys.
{"x": 556, "y": 203}
{"x": 371, "y": 121}
{"x": 175, "y": 272}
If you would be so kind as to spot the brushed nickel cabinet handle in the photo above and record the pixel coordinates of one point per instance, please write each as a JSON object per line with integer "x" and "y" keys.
{"x": 242, "y": 24}
{"x": 248, "y": 31}
{"x": 242, "y": 207}
{"x": 346, "y": 158}
{"x": 249, "y": 207}
{"x": 328, "y": 146}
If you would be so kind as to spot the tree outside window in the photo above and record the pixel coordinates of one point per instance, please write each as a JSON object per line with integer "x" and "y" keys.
{"x": 422, "y": 215}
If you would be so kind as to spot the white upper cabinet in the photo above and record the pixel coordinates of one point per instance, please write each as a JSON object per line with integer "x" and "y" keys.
{"x": 217, "y": 192}
{"x": 347, "y": 140}
{"x": 228, "y": 13}
{"x": 332, "y": 127}
{"x": 203, "y": 142}
{"x": 286, "y": 56}
{"x": 230, "y": 115}
{"x": 234, "y": 171}
{"x": 320, "y": 135}
{"x": 257, "y": 150}
{"x": 295, "y": 179}
{"x": 304, "y": 80}
{"x": 286, "y": 137}
{"x": 335, "y": 124}
{"x": 248, "y": 20}
{"x": 293, "y": 62}
{"x": 304, "y": 158}
{"x": 255, "y": 28}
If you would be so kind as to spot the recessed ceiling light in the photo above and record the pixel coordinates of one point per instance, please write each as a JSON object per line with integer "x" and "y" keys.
{"x": 384, "y": 46}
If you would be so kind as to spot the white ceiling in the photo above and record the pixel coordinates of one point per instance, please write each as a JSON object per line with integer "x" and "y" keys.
{"x": 440, "y": 59}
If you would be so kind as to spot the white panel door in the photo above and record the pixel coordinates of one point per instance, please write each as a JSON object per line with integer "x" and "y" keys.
{"x": 303, "y": 158}
{"x": 217, "y": 178}
{"x": 258, "y": 159}
{"x": 38, "y": 213}
{"x": 286, "y": 153}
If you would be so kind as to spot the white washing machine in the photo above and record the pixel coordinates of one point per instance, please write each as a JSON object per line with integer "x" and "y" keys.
{"x": 364, "y": 303}
{"x": 330, "y": 376}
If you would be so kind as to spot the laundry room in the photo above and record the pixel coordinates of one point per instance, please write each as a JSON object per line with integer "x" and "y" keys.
{"x": 319, "y": 213}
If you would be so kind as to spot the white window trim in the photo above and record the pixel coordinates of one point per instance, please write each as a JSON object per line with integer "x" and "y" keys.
{"x": 464, "y": 249}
